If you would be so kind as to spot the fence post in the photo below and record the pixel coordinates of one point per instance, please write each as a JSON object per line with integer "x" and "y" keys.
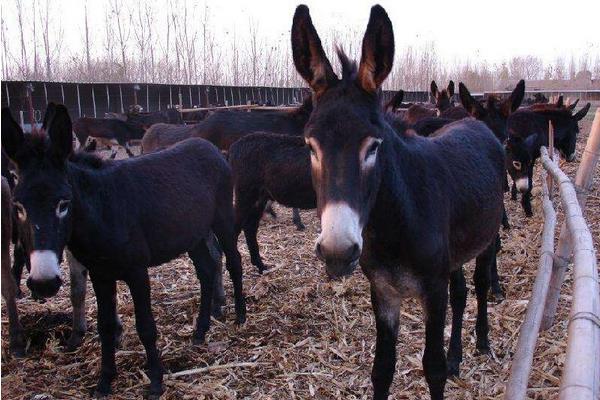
{"x": 583, "y": 183}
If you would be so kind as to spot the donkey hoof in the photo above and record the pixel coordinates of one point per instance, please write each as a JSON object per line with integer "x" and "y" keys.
{"x": 217, "y": 313}
{"x": 17, "y": 351}
{"x": 261, "y": 267}
{"x": 300, "y": 226}
{"x": 198, "y": 339}
{"x": 453, "y": 368}
{"x": 483, "y": 347}
{"x": 528, "y": 213}
{"x": 496, "y": 296}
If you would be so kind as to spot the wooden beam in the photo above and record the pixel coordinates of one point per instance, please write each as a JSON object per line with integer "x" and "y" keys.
{"x": 583, "y": 182}
{"x": 581, "y": 373}
{"x": 516, "y": 387}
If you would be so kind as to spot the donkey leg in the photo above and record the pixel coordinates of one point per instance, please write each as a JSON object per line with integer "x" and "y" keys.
{"x": 505, "y": 223}
{"x": 219, "y": 291}
{"x": 497, "y": 293}
{"x": 434, "y": 359}
{"x": 386, "y": 321}
{"x": 17, "y": 269}
{"x": 139, "y": 286}
{"x": 107, "y": 308}
{"x": 483, "y": 265}
{"x": 251, "y": 231}
{"x": 526, "y": 203}
{"x": 78, "y": 274}
{"x": 9, "y": 293}
{"x": 297, "y": 219}
{"x": 458, "y": 302}
{"x": 205, "y": 271}
{"x": 513, "y": 191}
{"x": 223, "y": 228}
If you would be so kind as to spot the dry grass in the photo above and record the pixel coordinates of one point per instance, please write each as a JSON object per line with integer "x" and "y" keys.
{"x": 305, "y": 337}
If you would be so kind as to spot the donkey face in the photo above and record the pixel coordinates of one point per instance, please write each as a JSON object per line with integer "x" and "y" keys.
{"x": 567, "y": 131}
{"x": 344, "y": 134}
{"x": 493, "y": 112}
{"x": 442, "y": 98}
{"x": 519, "y": 161}
{"x": 43, "y": 195}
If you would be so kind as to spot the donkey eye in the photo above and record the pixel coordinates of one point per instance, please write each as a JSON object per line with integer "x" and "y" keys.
{"x": 517, "y": 165}
{"x": 21, "y": 213}
{"x": 62, "y": 208}
{"x": 372, "y": 148}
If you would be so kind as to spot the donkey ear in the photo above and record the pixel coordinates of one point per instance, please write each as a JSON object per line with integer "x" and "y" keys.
{"x": 433, "y": 89}
{"x": 571, "y": 107}
{"x": 469, "y": 103}
{"x": 309, "y": 57}
{"x": 12, "y": 134}
{"x": 581, "y": 113}
{"x": 450, "y": 89}
{"x": 50, "y": 111}
{"x": 515, "y": 99}
{"x": 395, "y": 101}
{"x": 377, "y": 51}
{"x": 559, "y": 102}
{"x": 60, "y": 131}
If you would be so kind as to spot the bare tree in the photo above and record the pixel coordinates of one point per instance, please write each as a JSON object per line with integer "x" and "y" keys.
{"x": 88, "y": 61}
{"x": 24, "y": 66}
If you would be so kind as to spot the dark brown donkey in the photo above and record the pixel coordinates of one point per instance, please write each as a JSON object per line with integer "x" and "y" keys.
{"x": 223, "y": 128}
{"x": 410, "y": 210}
{"x": 268, "y": 167}
{"x": 107, "y": 131}
{"x": 442, "y": 100}
{"x": 120, "y": 217}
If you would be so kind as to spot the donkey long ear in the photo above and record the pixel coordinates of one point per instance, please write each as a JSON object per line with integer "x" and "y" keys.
{"x": 581, "y": 113}
{"x": 60, "y": 132}
{"x": 433, "y": 89}
{"x": 450, "y": 89}
{"x": 396, "y": 101}
{"x": 377, "y": 51}
{"x": 515, "y": 99}
{"x": 12, "y": 134}
{"x": 50, "y": 111}
{"x": 469, "y": 103}
{"x": 309, "y": 57}
{"x": 571, "y": 107}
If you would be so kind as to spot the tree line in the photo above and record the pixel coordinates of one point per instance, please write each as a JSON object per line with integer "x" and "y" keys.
{"x": 175, "y": 41}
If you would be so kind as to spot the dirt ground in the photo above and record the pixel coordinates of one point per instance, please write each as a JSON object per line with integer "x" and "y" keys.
{"x": 305, "y": 337}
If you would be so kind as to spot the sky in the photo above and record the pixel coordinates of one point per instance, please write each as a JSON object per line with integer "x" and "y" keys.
{"x": 461, "y": 29}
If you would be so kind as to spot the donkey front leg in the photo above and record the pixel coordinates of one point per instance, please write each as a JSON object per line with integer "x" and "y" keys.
{"x": 139, "y": 286}
{"x": 434, "y": 359}
{"x": 107, "y": 309}
{"x": 205, "y": 267}
{"x": 386, "y": 311}
{"x": 458, "y": 302}
{"x": 297, "y": 219}
{"x": 9, "y": 293}
{"x": 78, "y": 274}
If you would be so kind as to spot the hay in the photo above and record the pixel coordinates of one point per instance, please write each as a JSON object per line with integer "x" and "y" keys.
{"x": 305, "y": 337}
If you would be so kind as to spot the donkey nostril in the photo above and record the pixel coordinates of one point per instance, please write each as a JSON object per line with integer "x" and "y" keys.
{"x": 354, "y": 252}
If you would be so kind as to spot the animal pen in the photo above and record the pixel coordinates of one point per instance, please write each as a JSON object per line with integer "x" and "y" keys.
{"x": 581, "y": 376}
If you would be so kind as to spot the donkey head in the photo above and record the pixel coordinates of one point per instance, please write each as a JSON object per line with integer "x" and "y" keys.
{"x": 442, "y": 98}
{"x": 43, "y": 194}
{"x": 493, "y": 112}
{"x": 520, "y": 159}
{"x": 344, "y": 133}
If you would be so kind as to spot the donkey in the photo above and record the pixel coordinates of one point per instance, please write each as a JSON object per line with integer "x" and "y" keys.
{"x": 410, "y": 210}
{"x": 442, "y": 101}
{"x": 223, "y": 128}
{"x": 395, "y": 102}
{"x": 120, "y": 217}
{"x": 268, "y": 167}
{"x": 107, "y": 131}
{"x": 528, "y": 131}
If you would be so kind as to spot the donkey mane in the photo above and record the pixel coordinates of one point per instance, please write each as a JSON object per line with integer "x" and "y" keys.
{"x": 349, "y": 67}
{"x": 90, "y": 160}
